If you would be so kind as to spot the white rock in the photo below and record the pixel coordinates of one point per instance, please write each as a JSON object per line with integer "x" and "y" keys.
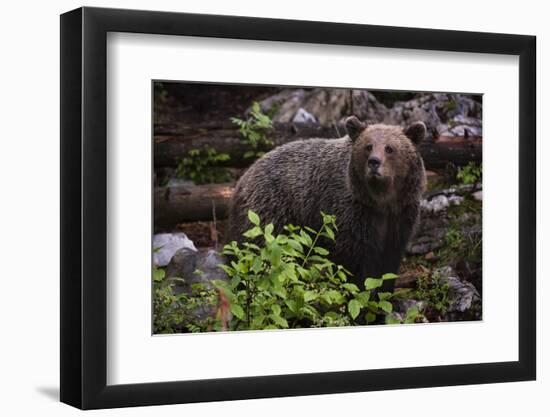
{"x": 303, "y": 116}
{"x": 166, "y": 244}
{"x": 478, "y": 195}
{"x": 455, "y": 200}
{"x": 436, "y": 204}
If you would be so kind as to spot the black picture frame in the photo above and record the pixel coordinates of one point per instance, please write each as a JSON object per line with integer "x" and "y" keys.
{"x": 84, "y": 207}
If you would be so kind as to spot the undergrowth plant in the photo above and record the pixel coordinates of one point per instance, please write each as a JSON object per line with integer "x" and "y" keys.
{"x": 255, "y": 131}
{"x": 287, "y": 281}
{"x": 469, "y": 174}
{"x": 275, "y": 281}
{"x": 413, "y": 315}
{"x": 183, "y": 312}
{"x": 202, "y": 166}
{"x": 431, "y": 289}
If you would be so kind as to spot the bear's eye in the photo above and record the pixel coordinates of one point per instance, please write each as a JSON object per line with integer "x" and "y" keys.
{"x": 389, "y": 149}
{"x": 369, "y": 147}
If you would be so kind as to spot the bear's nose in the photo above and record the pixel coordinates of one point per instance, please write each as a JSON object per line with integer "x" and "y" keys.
{"x": 373, "y": 163}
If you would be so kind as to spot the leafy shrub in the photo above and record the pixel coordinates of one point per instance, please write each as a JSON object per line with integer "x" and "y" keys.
{"x": 255, "y": 131}
{"x": 413, "y": 315}
{"x": 202, "y": 166}
{"x": 463, "y": 242}
{"x": 469, "y": 174}
{"x": 275, "y": 282}
{"x": 176, "y": 313}
{"x": 287, "y": 281}
{"x": 431, "y": 289}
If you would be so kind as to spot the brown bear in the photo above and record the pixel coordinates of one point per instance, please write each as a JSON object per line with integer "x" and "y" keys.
{"x": 372, "y": 180}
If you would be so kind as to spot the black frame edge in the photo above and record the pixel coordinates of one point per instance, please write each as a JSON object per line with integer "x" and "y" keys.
{"x": 528, "y": 206}
{"x": 70, "y": 219}
{"x": 83, "y": 203}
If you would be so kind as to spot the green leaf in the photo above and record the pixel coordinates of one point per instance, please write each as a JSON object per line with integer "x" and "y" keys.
{"x": 256, "y": 265}
{"x": 281, "y": 239}
{"x": 304, "y": 273}
{"x": 235, "y": 281}
{"x": 352, "y": 288}
{"x": 342, "y": 275}
{"x": 278, "y": 320}
{"x": 158, "y": 274}
{"x": 384, "y": 296}
{"x": 292, "y": 305}
{"x": 237, "y": 311}
{"x": 269, "y": 238}
{"x": 306, "y": 238}
{"x": 372, "y": 283}
{"x": 370, "y": 317}
{"x": 275, "y": 255}
{"x": 326, "y": 298}
{"x": 296, "y": 245}
{"x": 253, "y": 233}
{"x": 336, "y": 297}
{"x": 269, "y": 229}
{"x": 386, "y": 306}
{"x": 227, "y": 269}
{"x": 290, "y": 272}
{"x": 321, "y": 251}
{"x": 412, "y": 314}
{"x": 363, "y": 298}
{"x": 276, "y": 308}
{"x": 254, "y": 218}
{"x": 392, "y": 320}
{"x": 309, "y": 296}
{"x": 354, "y": 307}
{"x": 257, "y": 322}
{"x": 389, "y": 276}
{"x": 279, "y": 290}
{"x": 242, "y": 267}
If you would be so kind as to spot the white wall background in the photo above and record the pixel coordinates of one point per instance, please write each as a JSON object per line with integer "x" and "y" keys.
{"x": 29, "y": 164}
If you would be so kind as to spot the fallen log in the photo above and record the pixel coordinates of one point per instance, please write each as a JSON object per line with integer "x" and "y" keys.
{"x": 173, "y": 142}
{"x": 458, "y": 150}
{"x": 178, "y": 204}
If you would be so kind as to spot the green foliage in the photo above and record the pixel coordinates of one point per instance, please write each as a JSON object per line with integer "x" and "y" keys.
{"x": 255, "y": 131}
{"x": 202, "y": 166}
{"x": 469, "y": 174}
{"x": 176, "y": 313}
{"x": 431, "y": 289}
{"x": 276, "y": 281}
{"x": 453, "y": 238}
{"x": 463, "y": 240}
{"x": 413, "y": 315}
{"x": 287, "y": 281}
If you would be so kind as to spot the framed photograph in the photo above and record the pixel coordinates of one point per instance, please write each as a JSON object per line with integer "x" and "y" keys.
{"x": 258, "y": 208}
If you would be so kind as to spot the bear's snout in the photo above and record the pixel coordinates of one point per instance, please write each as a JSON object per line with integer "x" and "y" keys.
{"x": 374, "y": 163}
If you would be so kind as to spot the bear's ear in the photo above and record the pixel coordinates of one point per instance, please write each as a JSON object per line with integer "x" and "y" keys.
{"x": 416, "y": 132}
{"x": 354, "y": 127}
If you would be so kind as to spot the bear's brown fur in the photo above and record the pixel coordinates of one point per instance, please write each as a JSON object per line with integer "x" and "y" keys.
{"x": 372, "y": 180}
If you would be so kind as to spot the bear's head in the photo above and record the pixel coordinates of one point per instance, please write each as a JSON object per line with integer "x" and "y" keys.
{"x": 385, "y": 163}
